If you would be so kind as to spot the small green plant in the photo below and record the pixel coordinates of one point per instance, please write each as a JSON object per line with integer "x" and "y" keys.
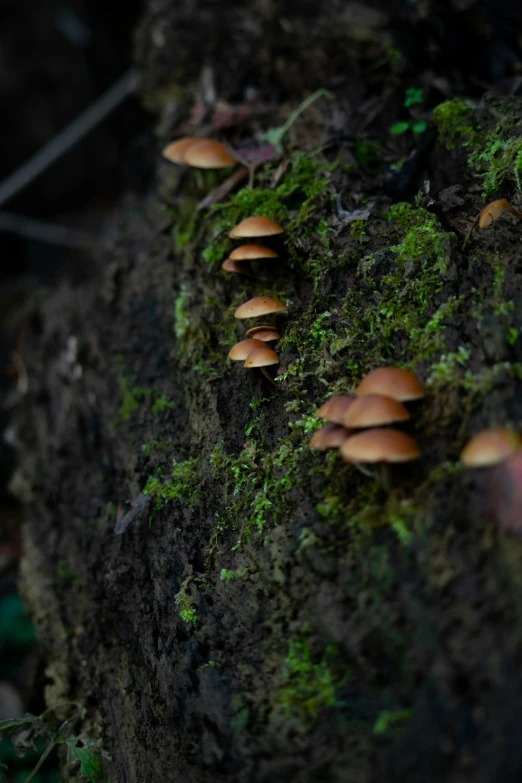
{"x": 275, "y": 136}
{"x": 187, "y": 611}
{"x": 50, "y": 729}
{"x": 414, "y": 97}
{"x": 389, "y": 720}
{"x": 233, "y": 575}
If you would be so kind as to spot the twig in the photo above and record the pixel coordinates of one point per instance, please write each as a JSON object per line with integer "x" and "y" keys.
{"x": 69, "y": 136}
{"x": 46, "y": 232}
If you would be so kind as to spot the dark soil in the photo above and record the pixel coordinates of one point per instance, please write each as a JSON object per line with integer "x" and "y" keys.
{"x": 274, "y": 615}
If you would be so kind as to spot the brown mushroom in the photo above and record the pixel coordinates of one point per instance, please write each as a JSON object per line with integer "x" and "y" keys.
{"x": 176, "y": 150}
{"x": 266, "y": 336}
{"x": 208, "y": 154}
{"x": 380, "y": 445}
{"x": 394, "y": 382}
{"x": 260, "y": 328}
{"x": 258, "y": 306}
{"x": 494, "y": 210}
{"x": 252, "y": 253}
{"x": 331, "y": 436}
{"x": 262, "y": 358}
{"x": 238, "y": 267}
{"x": 374, "y": 410}
{"x": 240, "y": 351}
{"x": 334, "y": 409}
{"x": 490, "y": 447}
{"x": 258, "y": 226}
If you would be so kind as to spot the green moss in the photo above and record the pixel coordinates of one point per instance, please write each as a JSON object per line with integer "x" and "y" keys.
{"x": 181, "y": 484}
{"x": 161, "y": 404}
{"x": 183, "y": 601}
{"x": 452, "y": 120}
{"x": 497, "y": 159}
{"x": 233, "y": 575}
{"x": 310, "y": 685}
{"x": 389, "y": 721}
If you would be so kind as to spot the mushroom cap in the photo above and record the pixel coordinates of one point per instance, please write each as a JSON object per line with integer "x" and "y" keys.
{"x": 492, "y": 212}
{"x": 386, "y": 445}
{"x": 240, "y": 351}
{"x": 257, "y": 226}
{"x": 334, "y": 409}
{"x": 266, "y": 336}
{"x": 239, "y": 267}
{"x": 208, "y": 154}
{"x": 329, "y": 437}
{"x": 260, "y": 328}
{"x": 393, "y": 382}
{"x": 176, "y": 150}
{"x": 260, "y": 305}
{"x": 490, "y": 447}
{"x": 261, "y": 357}
{"x": 373, "y": 410}
{"x": 251, "y": 252}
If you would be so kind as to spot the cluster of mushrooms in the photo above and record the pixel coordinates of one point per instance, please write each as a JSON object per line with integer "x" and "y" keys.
{"x": 253, "y": 350}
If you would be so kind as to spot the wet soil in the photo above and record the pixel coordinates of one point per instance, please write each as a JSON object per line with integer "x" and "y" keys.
{"x": 272, "y": 614}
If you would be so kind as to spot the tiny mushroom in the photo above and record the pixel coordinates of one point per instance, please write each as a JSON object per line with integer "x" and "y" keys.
{"x": 493, "y": 211}
{"x": 260, "y": 328}
{"x": 208, "y": 154}
{"x": 240, "y": 351}
{"x": 238, "y": 267}
{"x": 261, "y": 357}
{"x": 258, "y": 226}
{"x": 258, "y": 306}
{"x": 176, "y": 150}
{"x": 490, "y": 447}
{"x": 252, "y": 253}
{"x": 334, "y": 409}
{"x": 394, "y": 382}
{"x": 331, "y": 436}
{"x": 266, "y": 336}
{"x": 374, "y": 410}
{"x": 380, "y": 446}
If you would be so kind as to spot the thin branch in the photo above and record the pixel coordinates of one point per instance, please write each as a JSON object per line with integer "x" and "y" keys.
{"x": 69, "y": 136}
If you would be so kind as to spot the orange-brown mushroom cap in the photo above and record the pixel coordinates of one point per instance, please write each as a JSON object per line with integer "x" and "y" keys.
{"x": 260, "y": 328}
{"x": 261, "y": 357}
{"x": 258, "y": 306}
{"x": 490, "y": 447}
{"x": 240, "y": 351}
{"x": 208, "y": 154}
{"x": 266, "y": 336}
{"x": 257, "y": 226}
{"x": 374, "y": 410}
{"x": 386, "y": 445}
{"x": 492, "y": 212}
{"x": 176, "y": 150}
{"x": 331, "y": 436}
{"x": 334, "y": 409}
{"x": 239, "y": 267}
{"x": 394, "y": 382}
{"x": 252, "y": 252}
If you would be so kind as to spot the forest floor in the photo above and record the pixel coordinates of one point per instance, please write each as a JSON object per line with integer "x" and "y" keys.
{"x": 270, "y": 613}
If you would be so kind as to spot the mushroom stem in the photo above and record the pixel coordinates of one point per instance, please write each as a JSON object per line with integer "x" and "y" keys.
{"x": 267, "y": 376}
{"x": 384, "y": 476}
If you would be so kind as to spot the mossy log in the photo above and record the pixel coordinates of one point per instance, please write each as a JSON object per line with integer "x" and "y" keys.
{"x": 272, "y": 614}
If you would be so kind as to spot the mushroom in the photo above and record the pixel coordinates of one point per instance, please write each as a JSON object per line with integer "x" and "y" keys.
{"x": 258, "y": 306}
{"x": 239, "y": 267}
{"x": 493, "y": 211}
{"x": 258, "y": 226}
{"x": 334, "y": 409}
{"x": 266, "y": 336}
{"x": 252, "y": 253}
{"x": 374, "y": 410}
{"x": 176, "y": 150}
{"x": 260, "y": 328}
{"x": 240, "y": 351}
{"x": 331, "y": 436}
{"x": 380, "y": 446}
{"x": 490, "y": 447}
{"x": 262, "y": 358}
{"x": 208, "y": 154}
{"x": 394, "y": 382}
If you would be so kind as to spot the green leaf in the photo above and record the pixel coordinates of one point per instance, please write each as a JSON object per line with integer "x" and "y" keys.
{"x": 419, "y": 126}
{"x": 399, "y": 128}
{"x": 90, "y": 764}
{"x": 414, "y": 96}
